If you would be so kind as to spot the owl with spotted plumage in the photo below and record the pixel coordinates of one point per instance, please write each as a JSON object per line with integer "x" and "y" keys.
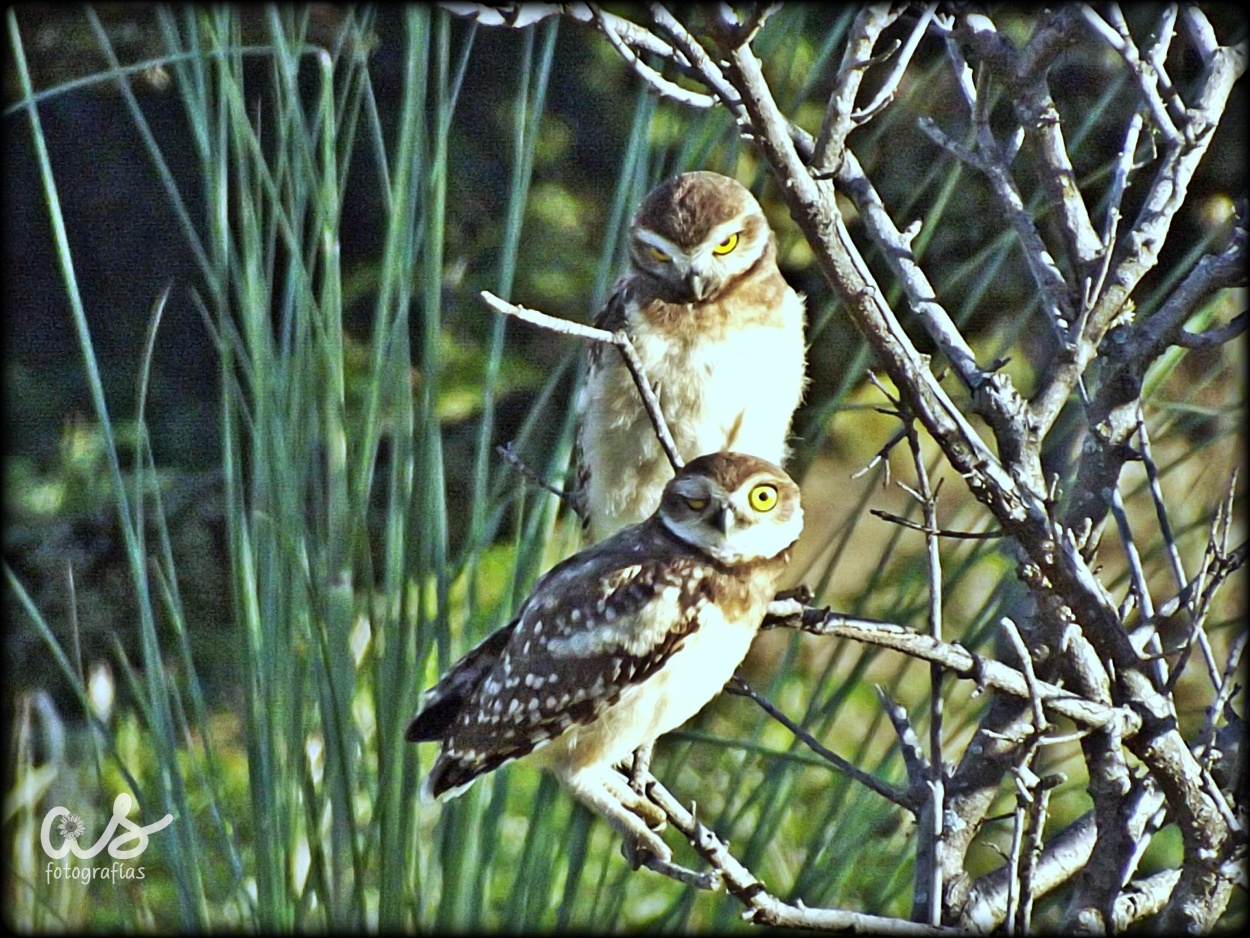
{"x": 719, "y": 333}
{"x": 621, "y": 643}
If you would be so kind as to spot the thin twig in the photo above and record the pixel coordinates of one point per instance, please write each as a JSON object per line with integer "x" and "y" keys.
{"x": 710, "y": 880}
{"x": 740, "y": 688}
{"x": 1214, "y": 336}
{"x": 889, "y": 88}
{"x": 621, "y": 340}
{"x": 1124, "y": 168}
{"x": 914, "y": 760}
{"x": 762, "y": 907}
{"x": 1137, "y": 577}
{"x": 857, "y": 57}
{"x": 1026, "y": 665}
{"x": 934, "y": 532}
{"x": 1215, "y": 712}
{"x": 964, "y": 664}
{"x": 509, "y": 454}
{"x": 644, "y": 71}
{"x": 1156, "y": 496}
{"x": 1118, "y": 37}
{"x": 699, "y": 61}
{"x": 881, "y": 454}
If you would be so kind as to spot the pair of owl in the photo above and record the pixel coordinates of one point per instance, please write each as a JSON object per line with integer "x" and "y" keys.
{"x": 629, "y": 638}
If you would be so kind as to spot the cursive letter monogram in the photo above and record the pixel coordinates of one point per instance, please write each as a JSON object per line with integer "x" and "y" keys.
{"x": 121, "y": 807}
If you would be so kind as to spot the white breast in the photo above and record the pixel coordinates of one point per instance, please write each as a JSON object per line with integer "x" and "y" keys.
{"x": 735, "y": 391}
{"x": 663, "y": 702}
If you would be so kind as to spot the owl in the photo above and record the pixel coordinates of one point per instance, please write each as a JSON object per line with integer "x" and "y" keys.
{"x": 621, "y": 643}
{"x": 720, "y": 336}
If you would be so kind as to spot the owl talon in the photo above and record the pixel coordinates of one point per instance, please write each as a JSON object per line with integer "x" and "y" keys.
{"x": 641, "y": 768}
{"x": 644, "y": 849}
{"x": 652, "y": 815}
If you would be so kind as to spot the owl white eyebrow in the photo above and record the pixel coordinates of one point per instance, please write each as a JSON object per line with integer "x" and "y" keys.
{"x": 727, "y": 228}
{"x": 658, "y": 241}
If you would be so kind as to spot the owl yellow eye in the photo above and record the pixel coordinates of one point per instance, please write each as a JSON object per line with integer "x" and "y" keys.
{"x": 696, "y": 504}
{"x": 660, "y": 255}
{"x": 727, "y": 245}
{"x": 763, "y": 497}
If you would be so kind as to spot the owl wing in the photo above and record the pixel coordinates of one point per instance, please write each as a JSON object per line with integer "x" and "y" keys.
{"x": 444, "y": 700}
{"x": 595, "y": 625}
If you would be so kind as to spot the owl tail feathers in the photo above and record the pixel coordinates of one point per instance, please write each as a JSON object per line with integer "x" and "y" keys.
{"x": 441, "y": 783}
{"x": 434, "y": 721}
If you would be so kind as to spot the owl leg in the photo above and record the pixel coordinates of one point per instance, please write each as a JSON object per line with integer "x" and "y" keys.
{"x": 605, "y": 791}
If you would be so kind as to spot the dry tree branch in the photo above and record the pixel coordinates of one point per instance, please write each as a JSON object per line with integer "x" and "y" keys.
{"x": 1164, "y": 198}
{"x": 1119, "y": 38}
{"x": 966, "y": 665}
{"x": 1024, "y": 75}
{"x": 936, "y": 532}
{"x": 927, "y": 899}
{"x": 593, "y": 334}
{"x": 989, "y": 159}
{"x": 508, "y": 453}
{"x": 644, "y": 71}
{"x": 889, "y": 88}
{"x": 858, "y": 55}
{"x": 763, "y": 908}
{"x": 739, "y": 687}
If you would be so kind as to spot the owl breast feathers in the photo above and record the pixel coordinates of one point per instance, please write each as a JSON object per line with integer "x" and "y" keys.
{"x": 720, "y": 336}
{"x": 622, "y": 642}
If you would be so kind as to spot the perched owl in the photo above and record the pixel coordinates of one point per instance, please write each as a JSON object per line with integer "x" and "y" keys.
{"x": 720, "y": 336}
{"x": 621, "y": 643}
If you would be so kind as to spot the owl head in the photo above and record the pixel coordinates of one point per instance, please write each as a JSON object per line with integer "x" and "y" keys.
{"x": 695, "y": 233}
{"x": 733, "y": 507}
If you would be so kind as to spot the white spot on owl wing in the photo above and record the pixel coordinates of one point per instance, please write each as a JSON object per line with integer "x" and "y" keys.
{"x": 634, "y": 634}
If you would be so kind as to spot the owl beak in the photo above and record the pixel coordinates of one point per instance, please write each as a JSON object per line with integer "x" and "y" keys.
{"x": 697, "y": 284}
{"x": 723, "y": 519}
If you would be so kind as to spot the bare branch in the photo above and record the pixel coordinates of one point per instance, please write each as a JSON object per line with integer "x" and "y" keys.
{"x": 700, "y": 62}
{"x": 622, "y": 343}
{"x": 740, "y": 687}
{"x": 509, "y": 454}
{"x": 1143, "y": 898}
{"x": 1025, "y": 75}
{"x": 1214, "y": 272}
{"x": 521, "y": 15}
{"x": 1213, "y": 337}
{"x": 644, "y": 71}
{"x": 964, "y": 664}
{"x": 936, "y": 532}
{"x": 1012, "y": 632}
{"x": 1165, "y": 197}
{"x": 1124, "y": 168}
{"x": 710, "y": 880}
{"x": 763, "y": 908}
{"x": 1117, "y": 35}
{"x": 885, "y": 94}
{"x": 869, "y": 23}
{"x": 1046, "y": 274}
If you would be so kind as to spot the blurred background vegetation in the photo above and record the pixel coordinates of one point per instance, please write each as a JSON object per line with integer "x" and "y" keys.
{"x": 276, "y": 256}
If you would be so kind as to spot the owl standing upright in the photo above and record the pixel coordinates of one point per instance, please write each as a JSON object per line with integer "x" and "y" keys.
{"x": 720, "y": 336}
{"x": 621, "y": 643}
